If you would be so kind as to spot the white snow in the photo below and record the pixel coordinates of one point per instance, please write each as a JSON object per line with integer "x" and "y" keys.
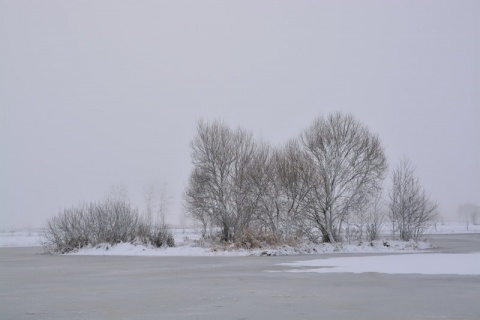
{"x": 186, "y": 249}
{"x": 188, "y": 244}
{"x": 20, "y": 238}
{"x": 454, "y": 227}
{"x": 128, "y": 249}
{"x": 435, "y": 263}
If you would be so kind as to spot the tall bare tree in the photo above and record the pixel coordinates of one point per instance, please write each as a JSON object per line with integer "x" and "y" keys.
{"x": 280, "y": 179}
{"x": 349, "y": 165}
{"x": 198, "y": 204}
{"x": 263, "y": 190}
{"x": 411, "y": 210}
{"x": 293, "y": 178}
{"x": 219, "y": 186}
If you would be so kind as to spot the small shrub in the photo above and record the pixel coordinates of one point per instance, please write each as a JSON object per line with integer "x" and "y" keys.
{"x": 373, "y": 232}
{"x": 352, "y": 234}
{"x": 269, "y": 239}
{"x": 247, "y": 241}
{"x": 161, "y": 236}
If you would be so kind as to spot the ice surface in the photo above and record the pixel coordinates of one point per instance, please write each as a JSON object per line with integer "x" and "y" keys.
{"x": 463, "y": 264}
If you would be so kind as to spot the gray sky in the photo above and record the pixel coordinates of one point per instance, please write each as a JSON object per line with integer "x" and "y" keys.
{"x": 95, "y": 94}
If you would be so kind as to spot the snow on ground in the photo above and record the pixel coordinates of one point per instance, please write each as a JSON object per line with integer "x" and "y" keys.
{"x": 20, "y": 238}
{"x": 435, "y": 263}
{"x": 454, "y": 227}
{"x": 186, "y": 249}
{"x": 188, "y": 244}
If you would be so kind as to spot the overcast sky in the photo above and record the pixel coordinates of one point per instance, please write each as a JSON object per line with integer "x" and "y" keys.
{"x": 95, "y": 94}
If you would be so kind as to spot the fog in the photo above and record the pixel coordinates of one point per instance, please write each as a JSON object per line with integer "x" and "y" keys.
{"x": 95, "y": 95}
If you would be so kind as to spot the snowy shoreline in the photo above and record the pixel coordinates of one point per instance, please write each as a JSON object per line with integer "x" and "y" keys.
{"x": 379, "y": 246}
{"x": 186, "y": 245}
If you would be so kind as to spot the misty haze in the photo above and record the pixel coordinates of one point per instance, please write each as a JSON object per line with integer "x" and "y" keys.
{"x": 239, "y": 160}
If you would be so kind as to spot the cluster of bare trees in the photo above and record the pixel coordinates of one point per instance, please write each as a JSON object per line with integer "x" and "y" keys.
{"x": 411, "y": 209}
{"x": 325, "y": 185}
{"x": 108, "y": 221}
{"x": 313, "y": 185}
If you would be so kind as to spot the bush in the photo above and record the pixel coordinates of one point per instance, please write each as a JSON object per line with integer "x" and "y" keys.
{"x": 247, "y": 240}
{"x": 108, "y": 221}
{"x": 251, "y": 239}
{"x": 160, "y": 236}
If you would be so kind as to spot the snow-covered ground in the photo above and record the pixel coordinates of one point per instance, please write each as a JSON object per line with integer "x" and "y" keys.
{"x": 187, "y": 244}
{"x": 454, "y": 227}
{"x": 20, "y": 238}
{"x": 435, "y": 263}
{"x": 188, "y": 249}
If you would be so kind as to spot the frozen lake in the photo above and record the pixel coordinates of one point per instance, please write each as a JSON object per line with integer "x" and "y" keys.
{"x": 35, "y": 286}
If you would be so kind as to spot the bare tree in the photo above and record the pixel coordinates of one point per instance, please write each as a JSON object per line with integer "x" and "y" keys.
{"x": 366, "y": 223}
{"x": 198, "y": 203}
{"x": 375, "y": 217}
{"x": 469, "y": 213}
{"x": 157, "y": 203}
{"x": 149, "y": 203}
{"x": 263, "y": 190}
{"x": 293, "y": 175}
{"x": 165, "y": 199}
{"x": 279, "y": 186}
{"x": 219, "y": 186}
{"x": 411, "y": 210}
{"x": 349, "y": 165}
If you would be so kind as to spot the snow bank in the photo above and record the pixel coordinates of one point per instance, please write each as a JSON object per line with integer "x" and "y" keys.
{"x": 186, "y": 249}
{"x": 462, "y": 264}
